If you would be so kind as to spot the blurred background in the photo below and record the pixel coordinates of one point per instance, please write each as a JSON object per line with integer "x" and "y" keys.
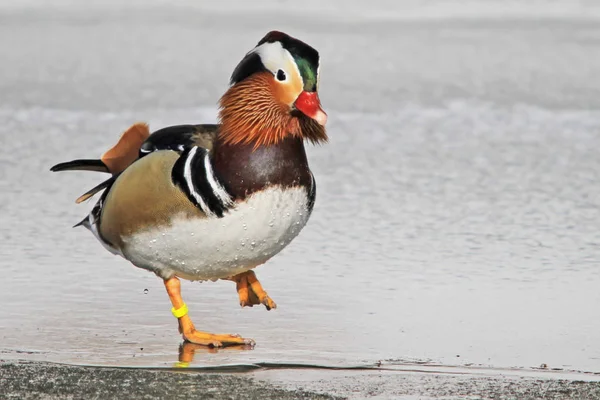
{"x": 457, "y": 217}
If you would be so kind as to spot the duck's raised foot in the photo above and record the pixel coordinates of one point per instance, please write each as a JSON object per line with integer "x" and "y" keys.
{"x": 251, "y": 292}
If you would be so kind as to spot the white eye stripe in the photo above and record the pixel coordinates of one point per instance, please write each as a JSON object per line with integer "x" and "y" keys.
{"x": 274, "y": 57}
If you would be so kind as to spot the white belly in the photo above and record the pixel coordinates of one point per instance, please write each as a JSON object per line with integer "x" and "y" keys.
{"x": 213, "y": 248}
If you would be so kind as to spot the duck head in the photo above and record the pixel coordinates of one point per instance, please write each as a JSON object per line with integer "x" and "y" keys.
{"x": 274, "y": 94}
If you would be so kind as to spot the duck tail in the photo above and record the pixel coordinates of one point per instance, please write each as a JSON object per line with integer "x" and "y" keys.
{"x": 81, "y": 165}
{"x": 117, "y": 158}
{"x": 114, "y": 161}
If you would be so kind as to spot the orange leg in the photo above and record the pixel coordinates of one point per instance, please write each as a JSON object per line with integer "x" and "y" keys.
{"x": 250, "y": 291}
{"x": 186, "y": 327}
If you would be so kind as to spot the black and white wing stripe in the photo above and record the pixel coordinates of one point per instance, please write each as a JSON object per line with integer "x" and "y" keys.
{"x": 194, "y": 174}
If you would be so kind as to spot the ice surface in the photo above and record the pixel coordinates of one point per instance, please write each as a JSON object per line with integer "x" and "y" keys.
{"x": 458, "y": 200}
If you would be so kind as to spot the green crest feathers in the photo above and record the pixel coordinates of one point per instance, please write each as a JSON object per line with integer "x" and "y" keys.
{"x": 308, "y": 72}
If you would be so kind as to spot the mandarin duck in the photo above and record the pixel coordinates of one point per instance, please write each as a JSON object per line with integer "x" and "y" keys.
{"x": 209, "y": 202}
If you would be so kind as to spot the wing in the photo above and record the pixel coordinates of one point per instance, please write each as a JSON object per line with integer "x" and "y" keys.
{"x": 159, "y": 186}
{"x": 152, "y": 176}
{"x": 180, "y": 137}
{"x": 137, "y": 142}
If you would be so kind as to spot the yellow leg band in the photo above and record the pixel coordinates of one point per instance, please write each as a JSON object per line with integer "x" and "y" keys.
{"x": 180, "y": 312}
{"x": 182, "y": 364}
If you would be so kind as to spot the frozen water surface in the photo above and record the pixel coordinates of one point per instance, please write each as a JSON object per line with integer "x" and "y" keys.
{"x": 457, "y": 218}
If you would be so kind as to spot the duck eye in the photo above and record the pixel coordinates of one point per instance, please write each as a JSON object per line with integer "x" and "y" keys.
{"x": 280, "y": 75}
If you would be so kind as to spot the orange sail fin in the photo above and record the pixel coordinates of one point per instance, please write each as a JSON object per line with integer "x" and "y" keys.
{"x": 126, "y": 151}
